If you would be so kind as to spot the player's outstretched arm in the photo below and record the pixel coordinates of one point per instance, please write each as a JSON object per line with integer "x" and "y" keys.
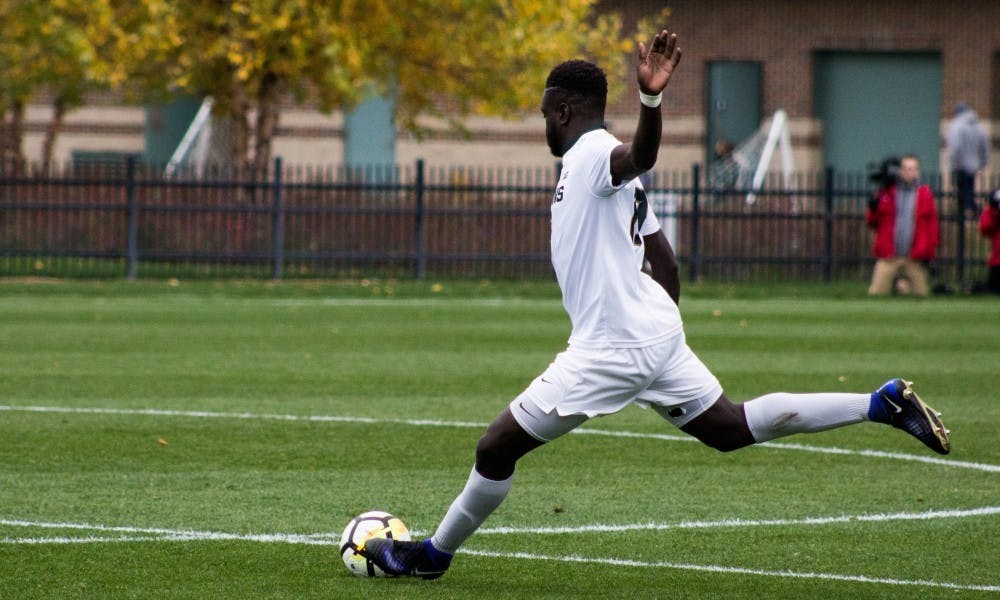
{"x": 663, "y": 265}
{"x": 654, "y": 68}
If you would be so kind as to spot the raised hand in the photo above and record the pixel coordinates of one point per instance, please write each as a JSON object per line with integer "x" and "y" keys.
{"x": 657, "y": 64}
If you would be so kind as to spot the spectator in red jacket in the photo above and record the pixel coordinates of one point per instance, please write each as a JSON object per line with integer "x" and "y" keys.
{"x": 989, "y": 226}
{"x": 905, "y": 221}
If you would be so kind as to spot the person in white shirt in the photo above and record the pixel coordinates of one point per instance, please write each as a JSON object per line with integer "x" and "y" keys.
{"x": 627, "y": 343}
{"x": 968, "y": 153}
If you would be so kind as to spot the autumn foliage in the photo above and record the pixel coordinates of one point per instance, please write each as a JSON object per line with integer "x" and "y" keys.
{"x": 442, "y": 58}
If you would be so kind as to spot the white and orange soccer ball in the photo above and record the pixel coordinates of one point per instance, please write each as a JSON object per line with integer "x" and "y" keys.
{"x": 372, "y": 524}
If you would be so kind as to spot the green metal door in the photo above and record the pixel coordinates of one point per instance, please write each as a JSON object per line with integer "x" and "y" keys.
{"x": 734, "y": 103}
{"x": 873, "y": 104}
{"x": 370, "y": 136}
{"x": 165, "y": 127}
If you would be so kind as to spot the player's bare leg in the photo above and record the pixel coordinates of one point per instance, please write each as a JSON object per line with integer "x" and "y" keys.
{"x": 503, "y": 444}
{"x": 726, "y": 426}
{"x": 722, "y": 426}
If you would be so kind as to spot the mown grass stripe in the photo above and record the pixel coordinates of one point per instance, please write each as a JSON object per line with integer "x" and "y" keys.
{"x": 595, "y": 528}
{"x": 162, "y": 535}
{"x": 988, "y": 468}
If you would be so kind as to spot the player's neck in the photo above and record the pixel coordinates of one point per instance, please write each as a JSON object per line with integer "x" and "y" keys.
{"x": 580, "y": 132}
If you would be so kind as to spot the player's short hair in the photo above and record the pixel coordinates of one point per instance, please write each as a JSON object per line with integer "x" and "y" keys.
{"x": 582, "y": 80}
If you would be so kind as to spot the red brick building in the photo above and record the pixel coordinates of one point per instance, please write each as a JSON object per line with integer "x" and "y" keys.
{"x": 795, "y": 41}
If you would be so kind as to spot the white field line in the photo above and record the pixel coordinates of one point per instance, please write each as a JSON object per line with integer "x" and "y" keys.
{"x": 737, "y": 570}
{"x": 905, "y": 516}
{"x": 154, "y": 412}
{"x": 332, "y": 538}
{"x": 138, "y": 534}
{"x": 362, "y": 302}
{"x": 156, "y": 533}
{"x": 408, "y": 302}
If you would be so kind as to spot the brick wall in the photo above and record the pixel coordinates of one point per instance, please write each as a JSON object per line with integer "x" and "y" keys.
{"x": 784, "y": 34}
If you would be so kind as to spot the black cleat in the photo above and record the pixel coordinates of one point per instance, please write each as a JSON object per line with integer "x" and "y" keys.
{"x": 903, "y": 409}
{"x": 410, "y": 559}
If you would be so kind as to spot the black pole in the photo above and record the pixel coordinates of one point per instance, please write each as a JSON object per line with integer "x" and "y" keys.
{"x": 828, "y": 197}
{"x": 695, "y": 193}
{"x": 960, "y": 247}
{"x": 132, "y": 209}
{"x": 277, "y": 223}
{"x": 419, "y": 221}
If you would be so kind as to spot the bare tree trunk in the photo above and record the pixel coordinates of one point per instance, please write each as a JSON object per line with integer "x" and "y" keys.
{"x": 14, "y": 150}
{"x": 4, "y": 138}
{"x": 52, "y": 132}
{"x": 240, "y": 125}
{"x": 239, "y": 227}
{"x": 268, "y": 111}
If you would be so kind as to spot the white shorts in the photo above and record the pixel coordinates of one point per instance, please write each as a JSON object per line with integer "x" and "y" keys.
{"x": 581, "y": 384}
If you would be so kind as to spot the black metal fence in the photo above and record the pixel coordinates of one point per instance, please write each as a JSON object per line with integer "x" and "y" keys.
{"x": 128, "y": 220}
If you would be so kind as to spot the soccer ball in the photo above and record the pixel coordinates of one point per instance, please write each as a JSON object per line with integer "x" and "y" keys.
{"x": 372, "y": 524}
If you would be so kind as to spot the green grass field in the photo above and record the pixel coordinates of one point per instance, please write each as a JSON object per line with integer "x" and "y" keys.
{"x": 212, "y": 440}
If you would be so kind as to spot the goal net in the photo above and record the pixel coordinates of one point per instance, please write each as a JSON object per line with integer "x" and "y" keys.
{"x": 746, "y": 167}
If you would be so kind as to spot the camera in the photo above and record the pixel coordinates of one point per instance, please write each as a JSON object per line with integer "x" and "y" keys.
{"x": 885, "y": 173}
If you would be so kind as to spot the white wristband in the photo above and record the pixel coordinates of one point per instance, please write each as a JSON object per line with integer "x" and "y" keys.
{"x": 650, "y": 101}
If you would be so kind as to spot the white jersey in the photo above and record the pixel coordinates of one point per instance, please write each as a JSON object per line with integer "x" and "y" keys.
{"x": 597, "y": 252}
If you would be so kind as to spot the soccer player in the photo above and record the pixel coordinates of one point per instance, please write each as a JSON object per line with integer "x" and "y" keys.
{"x": 627, "y": 343}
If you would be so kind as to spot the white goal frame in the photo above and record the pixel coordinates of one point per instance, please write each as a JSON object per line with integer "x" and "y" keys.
{"x": 200, "y": 129}
{"x": 777, "y": 136}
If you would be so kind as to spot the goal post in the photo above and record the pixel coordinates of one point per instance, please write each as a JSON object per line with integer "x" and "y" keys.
{"x": 777, "y": 136}
{"x": 746, "y": 167}
{"x": 207, "y": 141}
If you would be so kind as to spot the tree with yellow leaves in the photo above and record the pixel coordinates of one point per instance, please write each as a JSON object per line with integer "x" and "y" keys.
{"x": 484, "y": 57}
{"x": 474, "y": 56}
{"x": 62, "y": 47}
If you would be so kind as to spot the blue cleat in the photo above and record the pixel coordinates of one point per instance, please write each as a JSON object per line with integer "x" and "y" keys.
{"x": 413, "y": 559}
{"x": 896, "y": 404}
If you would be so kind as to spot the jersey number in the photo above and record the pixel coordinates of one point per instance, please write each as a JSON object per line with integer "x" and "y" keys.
{"x": 638, "y": 216}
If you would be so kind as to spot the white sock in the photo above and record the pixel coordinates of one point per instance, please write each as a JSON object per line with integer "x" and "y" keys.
{"x": 777, "y": 415}
{"x": 477, "y": 501}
